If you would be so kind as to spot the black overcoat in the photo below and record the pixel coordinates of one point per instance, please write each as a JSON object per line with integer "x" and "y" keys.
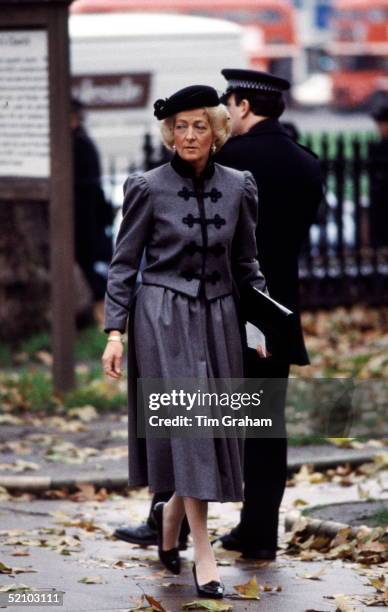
{"x": 290, "y": 190}
{"x": 92, "y": 212}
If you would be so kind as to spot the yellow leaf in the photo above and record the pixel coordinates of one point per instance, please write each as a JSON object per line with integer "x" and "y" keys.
{"x": 208, "y": 604}
{"x": 300, "y": 502}
{"x": 248, "y": 590}
{"x": 92, "y": 580}
{"x": 341, "y": 442}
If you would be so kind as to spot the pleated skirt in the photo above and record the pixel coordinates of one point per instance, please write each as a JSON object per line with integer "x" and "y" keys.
{"x": 178, "y": 336}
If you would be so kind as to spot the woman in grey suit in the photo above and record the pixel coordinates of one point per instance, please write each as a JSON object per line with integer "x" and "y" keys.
{"x": 196, "y": 222}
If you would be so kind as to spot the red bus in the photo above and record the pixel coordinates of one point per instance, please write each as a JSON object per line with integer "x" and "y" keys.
{"x": 359, "y": 49}
{"x": 270, "y": 24}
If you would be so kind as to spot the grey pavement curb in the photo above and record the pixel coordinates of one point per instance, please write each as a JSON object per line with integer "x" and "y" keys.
{"x": 318, "y": 527}
{"x": 35, "y": 484}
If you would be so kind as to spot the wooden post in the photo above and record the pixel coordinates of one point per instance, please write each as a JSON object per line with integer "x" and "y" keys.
{"x": 51, "y": 16}
{"x": 61, "y": 202}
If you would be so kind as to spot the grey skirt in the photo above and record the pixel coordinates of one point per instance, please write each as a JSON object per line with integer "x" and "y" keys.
{"x": 179, "y": 336}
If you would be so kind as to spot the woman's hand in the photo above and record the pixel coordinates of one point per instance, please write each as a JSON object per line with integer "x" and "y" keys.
{"x": 112, "y": 359}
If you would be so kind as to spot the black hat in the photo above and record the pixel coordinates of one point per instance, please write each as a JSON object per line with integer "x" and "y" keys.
{"x": 194, "y": 96}
{"x": 262, "y": 82}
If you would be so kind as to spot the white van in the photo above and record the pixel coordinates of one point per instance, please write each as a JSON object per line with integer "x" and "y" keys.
{"x": 122, "y": 62}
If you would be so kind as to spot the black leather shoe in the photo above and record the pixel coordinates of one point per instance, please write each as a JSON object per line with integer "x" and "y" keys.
{"x": 170, "y": 558}
{"x": 213, "y": 589}
{"x": 231, "y": 541}
{"x": 260, "y": 554}
{"x": 143, "y": 534}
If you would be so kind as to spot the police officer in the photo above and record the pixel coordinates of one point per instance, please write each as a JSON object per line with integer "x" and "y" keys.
{"x": 290, "y": 191}
{"x": 378, "y": 164}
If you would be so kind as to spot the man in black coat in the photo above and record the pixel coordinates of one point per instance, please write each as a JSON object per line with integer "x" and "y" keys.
{"x": 290, "y": 191}
{"x": 378, "y": 173}
{"x": 92, "y": 213}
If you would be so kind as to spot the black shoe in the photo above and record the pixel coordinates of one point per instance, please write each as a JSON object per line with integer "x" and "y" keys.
{"x": 143, "y": 535}
{"x": 259, "y": 554}
{"x": 170, "y": 558}
{"x": 231, "y": 541}
{"x": 213, "y": 589}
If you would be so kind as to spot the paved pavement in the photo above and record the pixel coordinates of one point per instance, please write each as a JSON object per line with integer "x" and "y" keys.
{"x": 82, "y": 532}
{"x": 66, "y": 541}
{"x": 54, "y": 452}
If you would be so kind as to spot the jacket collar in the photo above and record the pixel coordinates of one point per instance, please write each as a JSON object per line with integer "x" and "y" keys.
{"x": 186, "y": 170}
{"x": 267, "y": 126}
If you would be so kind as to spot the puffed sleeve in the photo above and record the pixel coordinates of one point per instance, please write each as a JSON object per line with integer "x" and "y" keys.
{"x": 246, "y": 269}
{"x": 131, "y": 240}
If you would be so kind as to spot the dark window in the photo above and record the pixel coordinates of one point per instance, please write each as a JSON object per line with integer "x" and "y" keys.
{"x": 362, "y": 62}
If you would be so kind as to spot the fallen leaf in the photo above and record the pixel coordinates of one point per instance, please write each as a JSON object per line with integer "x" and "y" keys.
{"x": 19, "y": 466}
{"x": 344, "y": 604}
{"x": 314, "y": 576}
{"x": 44, "y": 357}
{"x": 362, "y": 493}
{"x": 8, "y": 419}
{"x": 300, "y": 502}
{"x": 208, "y": 604}
{"x": 7, "y": 588}
{"x": 84, "y": 413}
{"x": 154, "y": 603}
{"x": 249, "y": 590}
{"x": 92, "y": 580}
{"x": 341, "y": 442}
{"x": 378, "y": 583}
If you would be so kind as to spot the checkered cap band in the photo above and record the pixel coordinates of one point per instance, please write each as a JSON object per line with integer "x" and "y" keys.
{"x": 234, "y": 83}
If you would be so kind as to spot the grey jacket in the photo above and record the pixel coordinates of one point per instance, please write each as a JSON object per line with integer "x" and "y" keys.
{"x": 198, "y": 235}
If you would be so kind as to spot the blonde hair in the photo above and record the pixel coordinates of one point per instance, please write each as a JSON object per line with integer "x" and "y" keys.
{"x": 219, "y": 120}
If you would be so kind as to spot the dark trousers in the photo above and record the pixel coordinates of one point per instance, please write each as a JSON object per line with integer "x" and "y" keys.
{"x": 265, "y": 468}
{"x": 265, "y": 462}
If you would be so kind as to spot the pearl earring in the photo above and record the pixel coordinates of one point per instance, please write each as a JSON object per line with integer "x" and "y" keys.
{"x": 173, "y": 147}
{"x": 214, "y": 148}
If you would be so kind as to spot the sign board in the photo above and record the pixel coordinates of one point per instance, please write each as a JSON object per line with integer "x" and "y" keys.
{"x": 113, "y": 91}
{"x": 24, "y": 104}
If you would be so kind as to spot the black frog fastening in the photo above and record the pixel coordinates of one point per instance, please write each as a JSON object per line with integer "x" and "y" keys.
{"x": 186, "y": 194}
{"x": 217, "y": 221}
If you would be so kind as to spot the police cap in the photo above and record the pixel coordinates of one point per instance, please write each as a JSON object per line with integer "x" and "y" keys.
{"x": 262, "y": 82}
{"x": 194, "y": 96}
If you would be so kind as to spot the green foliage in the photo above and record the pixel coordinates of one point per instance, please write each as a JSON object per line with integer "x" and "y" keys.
{"x": 32, "y": 389}
{"x": 36, "y": 388}
{"x": 37, "y": 342}
{"x": 90, "y": 344}
{"x": 95, "y": 396}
